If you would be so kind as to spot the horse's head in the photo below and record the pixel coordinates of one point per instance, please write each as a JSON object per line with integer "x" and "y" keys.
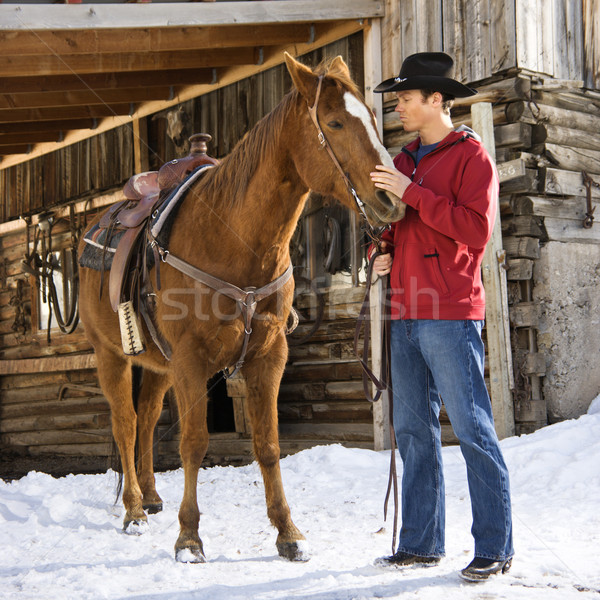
{"x": 341, "y": 120}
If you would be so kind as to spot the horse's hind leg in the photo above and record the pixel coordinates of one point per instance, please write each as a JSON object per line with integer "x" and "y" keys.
{"x": 189, "y": 380}
{"x": 263, "y": 376}
{"x": 114, "y": 375}
{"x": 149, "y": 406}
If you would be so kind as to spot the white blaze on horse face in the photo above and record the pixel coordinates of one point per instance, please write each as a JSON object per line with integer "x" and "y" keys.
{"x": 357, "y": 109}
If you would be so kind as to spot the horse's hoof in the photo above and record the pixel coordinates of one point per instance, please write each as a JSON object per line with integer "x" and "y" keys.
{"x": 153, "y": 507}
{"x": 190, "y": 555}
{"x": 136, "y": 527}
{"x": 297, "y": 551}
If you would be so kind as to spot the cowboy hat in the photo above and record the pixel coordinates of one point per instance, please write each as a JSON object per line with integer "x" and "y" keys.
{"x": 427, "y": 71}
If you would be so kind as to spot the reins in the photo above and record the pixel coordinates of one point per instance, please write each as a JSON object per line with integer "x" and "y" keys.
{"x": 382, "y": 382}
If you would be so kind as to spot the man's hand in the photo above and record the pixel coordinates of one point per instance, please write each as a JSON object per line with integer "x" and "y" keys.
{"x": 390, "y": 180}
{"x": 382, "y": 264}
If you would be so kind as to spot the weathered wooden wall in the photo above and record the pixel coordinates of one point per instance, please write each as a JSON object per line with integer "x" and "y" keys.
{"x": 88, "y": 167}
{"x": 558, "y": 38}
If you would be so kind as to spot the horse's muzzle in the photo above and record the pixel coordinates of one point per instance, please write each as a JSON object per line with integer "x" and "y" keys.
{"x": 388, "y": 209}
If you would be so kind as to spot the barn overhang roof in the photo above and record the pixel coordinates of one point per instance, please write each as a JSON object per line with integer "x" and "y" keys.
{"x": 71, "y": 71}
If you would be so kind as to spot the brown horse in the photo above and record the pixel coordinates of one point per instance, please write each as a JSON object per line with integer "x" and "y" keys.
{"x": 236, "y": 222}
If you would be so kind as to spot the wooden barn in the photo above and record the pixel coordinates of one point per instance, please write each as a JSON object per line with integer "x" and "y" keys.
{"x": 94, "y": 92}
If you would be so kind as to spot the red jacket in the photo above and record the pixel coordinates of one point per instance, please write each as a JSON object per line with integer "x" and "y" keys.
{"x": 438, "y": 246}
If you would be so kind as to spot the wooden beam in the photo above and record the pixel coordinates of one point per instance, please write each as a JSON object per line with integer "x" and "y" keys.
{"x": 34, "y": 137}
{"x": 497, "y": 320}
{"x": 56, "y": 125}
{"x": 54, "y": 363}
{"x": 140, "y": 145}
{"x": 99, "y": 111}
{"x": 373, "y": 76}
{"x": 182, "y": 14}
{"x": 100, "y": 41}
{"x": 106, "y": 81}
{"x": 85, "y": 98}
{"x": 15, "y": 149}
{"x": 12, "y": 66}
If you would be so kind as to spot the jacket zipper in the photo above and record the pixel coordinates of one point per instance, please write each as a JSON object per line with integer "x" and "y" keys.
{"x": 412, "y": 156}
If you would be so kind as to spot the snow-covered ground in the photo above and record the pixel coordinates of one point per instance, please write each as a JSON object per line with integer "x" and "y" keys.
{"x": 62, "y": 539}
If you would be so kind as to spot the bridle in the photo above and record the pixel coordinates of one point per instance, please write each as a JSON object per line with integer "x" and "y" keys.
{"x": 312, "y": 111}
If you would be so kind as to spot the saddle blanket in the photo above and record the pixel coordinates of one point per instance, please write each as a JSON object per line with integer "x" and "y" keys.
{"x": 99, "y": 252}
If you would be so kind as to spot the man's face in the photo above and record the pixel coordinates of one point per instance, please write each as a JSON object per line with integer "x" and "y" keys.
{"x": 413, "y": 109}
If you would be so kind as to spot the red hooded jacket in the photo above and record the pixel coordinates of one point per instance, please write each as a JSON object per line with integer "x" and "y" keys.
{"x": 438, "y": 246}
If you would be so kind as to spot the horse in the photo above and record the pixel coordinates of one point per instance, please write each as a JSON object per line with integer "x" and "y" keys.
{"x": 236, "y": 222}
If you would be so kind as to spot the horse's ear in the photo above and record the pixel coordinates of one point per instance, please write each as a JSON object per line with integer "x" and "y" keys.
{"x": 303, "y": 78}
{"x": 339, "y": 67}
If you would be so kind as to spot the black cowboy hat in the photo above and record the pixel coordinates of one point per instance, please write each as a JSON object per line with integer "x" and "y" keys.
{"x": 427, "y": 71}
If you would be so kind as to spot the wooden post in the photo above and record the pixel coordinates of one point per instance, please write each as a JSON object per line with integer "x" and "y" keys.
{"x": 140, "y": 145}
{"x": 373, "y": 75}
{"x": 494, "y": 281}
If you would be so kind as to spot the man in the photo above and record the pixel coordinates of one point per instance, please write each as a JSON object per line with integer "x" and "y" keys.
{"x": 433, "y": 255}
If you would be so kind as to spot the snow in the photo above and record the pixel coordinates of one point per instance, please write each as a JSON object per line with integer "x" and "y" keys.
{"x": 62, "y": 539}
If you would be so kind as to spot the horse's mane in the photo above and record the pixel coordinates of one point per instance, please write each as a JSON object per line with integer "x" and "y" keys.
{"x": 237, "y": 168}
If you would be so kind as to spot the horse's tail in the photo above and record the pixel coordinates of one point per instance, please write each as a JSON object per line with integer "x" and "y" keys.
{"x": 115, "y": 458}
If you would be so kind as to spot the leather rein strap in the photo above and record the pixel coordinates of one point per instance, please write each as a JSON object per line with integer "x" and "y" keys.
{"x": 384, "y": 381}
{"x": 246, "y": 298}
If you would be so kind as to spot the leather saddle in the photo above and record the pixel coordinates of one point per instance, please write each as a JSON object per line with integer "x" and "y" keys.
{"x": 144, "y": 193}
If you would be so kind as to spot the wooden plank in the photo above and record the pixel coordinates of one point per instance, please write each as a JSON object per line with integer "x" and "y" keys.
{"x": 88, "y": 97}
{"x": 570, "y": 231}
{"x": 106, "y": 81}
{"x": 555, "y": 134}
{"x": 381, "y": 433}
{"x": 591, "y": 43}
{"x": 477, "y": 40}
{"x": 47, "y": 422}
{"x": 515, "y": 135}
{"x": 182, "y": 14}
{"x": 521, "y": 247}
{"x": 494, "y": 280}
{"x": 571, "y": 209}
{"x": 46, "y": 365}
{"x": 519, "y": 269}
{"x": 573, "y": 159}
{"x": 563, "y": 117}
{"x": 391, "y": 55}
{"x": 527, "y": 30}
{"x": 58, "y": 437}
{"x": 111, "y": 63}
{"x": 100, "y": 449}
{"x": 503, "y": 35}
{"x": 524, "y": 314}
{"x": 63, "y": 113}
{"x": 68, "y": 42}
{"x": 140, "y": 145}
{"x": 333, "y": 431}
{"x": 565, "y": 183}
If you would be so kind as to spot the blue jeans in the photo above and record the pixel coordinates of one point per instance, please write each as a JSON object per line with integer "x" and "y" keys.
{"x": 432, "y": 359}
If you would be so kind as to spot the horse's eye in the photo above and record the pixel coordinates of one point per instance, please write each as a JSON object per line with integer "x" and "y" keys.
{"x": 334, "y": 125}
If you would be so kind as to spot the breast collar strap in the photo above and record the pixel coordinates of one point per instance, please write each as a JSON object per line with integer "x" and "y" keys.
{"x": 312, "y": 111}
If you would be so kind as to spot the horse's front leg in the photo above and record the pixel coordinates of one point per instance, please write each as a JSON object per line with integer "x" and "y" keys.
{"x": 190, "y": 389}
{"x": 263, "y": 376}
